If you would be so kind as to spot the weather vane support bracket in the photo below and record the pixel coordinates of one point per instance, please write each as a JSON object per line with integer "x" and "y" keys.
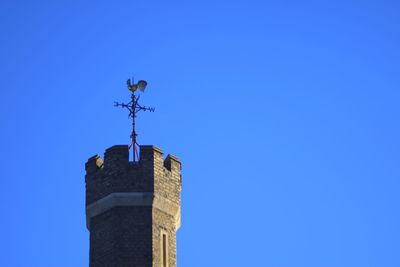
{"x": 134, "y": 107}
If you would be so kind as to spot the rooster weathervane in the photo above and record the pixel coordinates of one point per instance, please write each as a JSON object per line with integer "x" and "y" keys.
{"x": 134, "y": 107}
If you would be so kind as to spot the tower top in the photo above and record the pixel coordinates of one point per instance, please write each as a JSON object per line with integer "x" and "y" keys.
{"x": 133, "y": 207}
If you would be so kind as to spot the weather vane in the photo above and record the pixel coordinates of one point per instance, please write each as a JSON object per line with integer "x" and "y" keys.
{"x": 134, "y": 107}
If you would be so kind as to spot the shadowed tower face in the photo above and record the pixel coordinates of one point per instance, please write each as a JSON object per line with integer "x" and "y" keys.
{"x": 133, "y": 208}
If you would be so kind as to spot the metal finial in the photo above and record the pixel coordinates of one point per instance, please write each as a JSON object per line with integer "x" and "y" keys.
{"x": 134, "y": 107}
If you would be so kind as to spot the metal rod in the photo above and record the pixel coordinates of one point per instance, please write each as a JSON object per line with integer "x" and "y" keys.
{"x": 134, "y": 103}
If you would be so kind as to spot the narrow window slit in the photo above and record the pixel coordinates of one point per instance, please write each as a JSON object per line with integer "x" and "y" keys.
{"x": 164, "y": 250}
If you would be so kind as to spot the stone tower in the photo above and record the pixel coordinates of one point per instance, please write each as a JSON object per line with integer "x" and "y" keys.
{"x": 133, "y": 208}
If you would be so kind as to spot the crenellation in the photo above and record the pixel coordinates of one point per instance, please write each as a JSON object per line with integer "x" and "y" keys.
{"x": 116, "y": 157}
{"x": 93, "y": 164}
{"x": 172, "y": 163}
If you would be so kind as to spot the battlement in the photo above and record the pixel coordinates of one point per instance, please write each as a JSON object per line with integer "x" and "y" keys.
{"x": 152, "y": 173}
{"x": 118, "y": 157}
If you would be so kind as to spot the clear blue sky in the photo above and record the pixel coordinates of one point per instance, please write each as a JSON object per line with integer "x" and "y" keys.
{"x": 285, "y": 115}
